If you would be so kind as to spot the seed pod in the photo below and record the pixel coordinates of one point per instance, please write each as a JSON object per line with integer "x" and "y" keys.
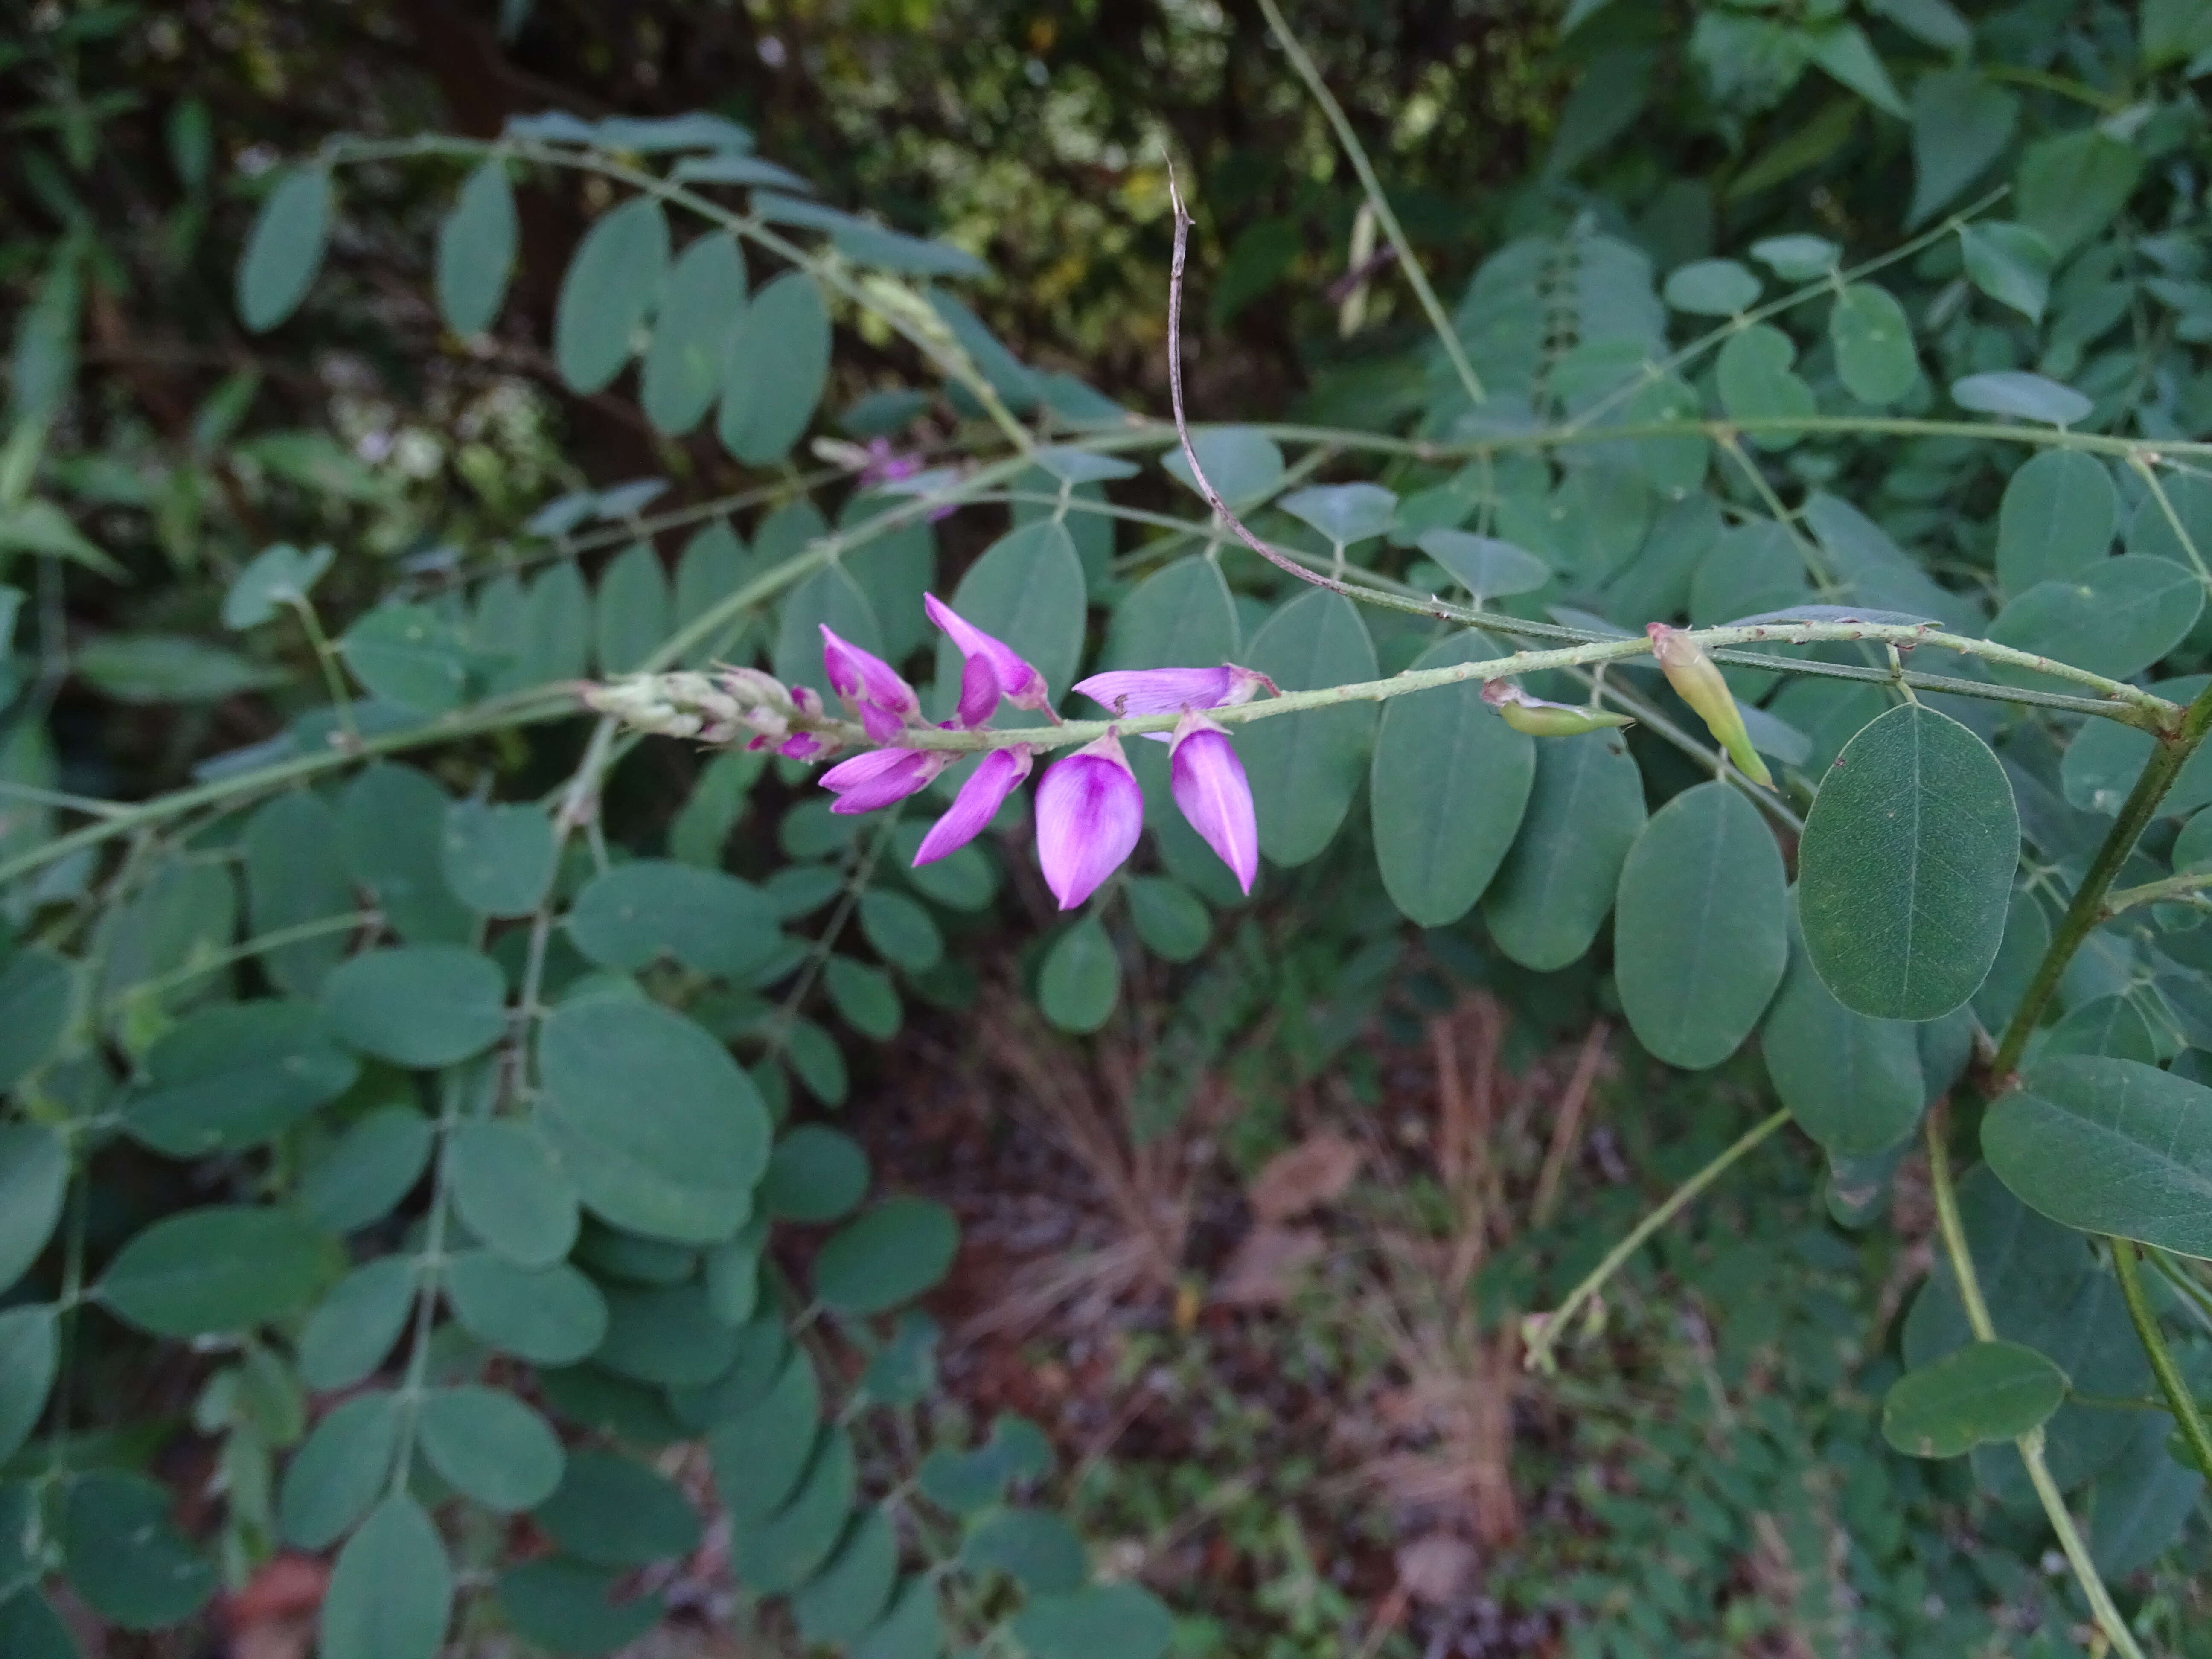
{"x": 1539, "y": 719}
{"x": 1698, "y": 683}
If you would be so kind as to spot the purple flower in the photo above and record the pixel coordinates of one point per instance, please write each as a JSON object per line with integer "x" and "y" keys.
{"x": 1209, "y": 785}
{"x": 1129, "y": 692}
{"x": 869, "y": 686}
{"x": 1090, "y": 812}
{"x": 990, "y": 669}
{"x": 980, "y": 798}
{"x": 882, "y": 776}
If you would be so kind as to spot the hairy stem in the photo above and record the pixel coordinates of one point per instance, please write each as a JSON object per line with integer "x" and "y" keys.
{"x": 1934, "y": 1132}
{"x": 2170, "y": 1379}
{"x": 1356, "y": 153}
{"x": 1541, "y": 1332}
{"x": 2087, "y": 911}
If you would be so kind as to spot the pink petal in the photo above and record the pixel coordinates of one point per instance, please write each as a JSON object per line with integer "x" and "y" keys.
{"x": 1127, "y": 691}
{"x": 1090, "y": 812}
{"x": 882, "y": 776}
{"x": 979, "y": 693}
{"x": 1209, "y": 785}
{"x": 977, "y": 803}
{"x": 1022, "y": 685}
{"x": 861, "y": 677}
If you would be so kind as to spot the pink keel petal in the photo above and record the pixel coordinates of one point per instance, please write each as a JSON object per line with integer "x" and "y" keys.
{"x": 881, "y": 777}
{"x": 1209, "y": 785}
{"x": 1090, "y": 812}
{"x": 979, "y": 694}
{"x": 1021, "y": 684}
{"x": 978, "y": 801}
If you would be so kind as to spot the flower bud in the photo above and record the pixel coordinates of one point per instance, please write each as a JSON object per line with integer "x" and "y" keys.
{"x": 1539, "y": 719}
{"x": 1698, "y": 683}
{"x": 1090, "y": 813}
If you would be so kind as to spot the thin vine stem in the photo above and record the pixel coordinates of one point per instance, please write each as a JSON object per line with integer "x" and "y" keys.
{"x": 2171, "y": 1383}
{"x": 1952, "y": 1229}
{"x": 1541, "y": 1332}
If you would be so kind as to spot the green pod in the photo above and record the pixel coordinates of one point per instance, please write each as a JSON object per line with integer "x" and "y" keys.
{"x": 1698, "y": 683}
{"x": 1552, "y": 720}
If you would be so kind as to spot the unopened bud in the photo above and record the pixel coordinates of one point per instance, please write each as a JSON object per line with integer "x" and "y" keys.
{"x": 1699, "y": 684}
{"x": 1539, "y": 719}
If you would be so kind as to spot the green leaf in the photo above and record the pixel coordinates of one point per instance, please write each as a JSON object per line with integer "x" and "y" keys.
{"x": 235, "y": 1076}
{"x": 38, "y": 526}
{"x": 510, "y": 1191}
{"x": 1028, "y": 590}
{"x": 2010, "y": 264}
{"x": 814, "y": 1175}
{"x": 37, "y": 995}
{"x": 567, "y": 1608}
{"x": 761, "y": 1450}
{"x": 214, "y": 1271}
{"x": 891, "y": 1254}
{"x": 1874, "y": 358}
{"x": 1446, "y": 790}
{"x": 1757, "y": 383}
{"x": 421, "y": 1005}
{"x": 1843, "y": 50}
{"x": 2104, "y": 1025}
{"x": 606, "y": 291}
{"x": 894, "y": 568}
{"x": 491, "y": 1446}
{"x": 631, "y": 617}
{"x": 665, "y": 1334}
{"x": 913, "y": 1629}
{"x": 1104, "y": 1621}
{"x": 31, "y": 1629}
{"x": 1304, "y": 768}
{"x": 549, "y": 1315}
{"x": 1181, "y": 614}
{"x": 2109, "y": 1146}
{"x": 155, "y": 668}
{"x": 293, "y": 875}
{"x": 1344, "y": 514}
{"x": 1486, "y": 566}
{"x": 391, "y": 825}
{"x": 662, "y": 1132}
{"x": 372, "y": 1167}
{"x": 850, "y": 1593}
{"x": 1700, "y": 933}
{"x": 2143, "y": 1500}
{"x": 900, "y": 931}
{"x": 828, "y": 596}
{"x": 635, "y": 914}
{"x": 1906, "y": 866}
{"x": 713, "y": 565}
{"x": 2103, "y": 761}
{"x": 284, "y": 249}
{"x": 863, "y": 996}
{"x": 2070, "y": 186}
{"x": 408, "y": 655}
{"x": 774, "y": 370}
{"x": 1712, "y": 287}
{"x": 1960, "y": 125}
{"x": 701, "y": 304}
{"x": 2018, "y": 395}
{"x": 2056, "y": 521}
{"x": 615, "y": 1513}
{"x": 497, "y": 859}
{"x": 30, "y": 1355}
{"x": 391, "y": 1593}
{"x": 1585, "y": 810}
{"x": 556, "y": 627}
{"x": 1984, "y": 1392}
{"x": 1081, "y": 981}
{"x": 1169, "y": 918}
{"x": 120, "y": 1552}
{"x": 1037, "y": 1550}
{"x": 1850, "y": 1082}
{"x": 350, "y": 1333}
{"x": 340, "y": 1471}
{"x": 1244, "y": 466}
{"x": 34, "y": 1169}
{"x": 274, "y": 579}
{"x": 2116, "y": 618}
{"x": 475, "y": 250}
{"x": 783, "y": 1552}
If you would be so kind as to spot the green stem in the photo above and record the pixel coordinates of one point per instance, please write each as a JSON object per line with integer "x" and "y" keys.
{"x": 2170, "y": 1379}
{"x": 1541, "y": 1332}
{"x": 2087, "y": 912}
{"x": 1952, "y": 1229}
{"x": 2182, "y": 888}
{"x": 326, "y": 660}
{"x": 1356, "y": 153}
